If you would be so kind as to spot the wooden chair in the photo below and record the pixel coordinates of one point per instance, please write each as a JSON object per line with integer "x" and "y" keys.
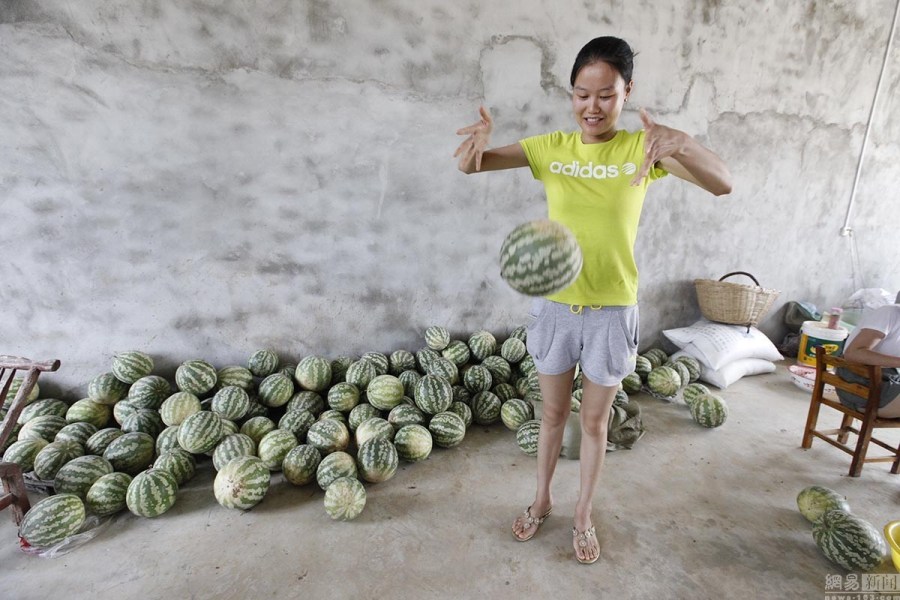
{"x": 12, "y": 483}
{"x": 867, "y": 417}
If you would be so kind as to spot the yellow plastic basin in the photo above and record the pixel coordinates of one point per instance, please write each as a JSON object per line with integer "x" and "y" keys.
{"x": 892, "y": 533}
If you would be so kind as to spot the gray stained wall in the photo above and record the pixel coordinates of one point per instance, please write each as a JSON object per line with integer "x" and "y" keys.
{"x": 202, "y": 179}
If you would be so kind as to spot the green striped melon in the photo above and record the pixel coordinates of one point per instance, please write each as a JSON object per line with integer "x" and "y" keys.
{"x": 424, "y": 357}
{"x": 409, "y": 379}
{"x": 235, "y": 375}
{"x": 461, "y": 394}
{"x": 107, "y": 495}
{"x": 377, "y": 459}
{"x": 145, "y": 420}
{"x": 815, "y": 500}
{"x": 195, "y": 377}
{"x": 464, "y": 412}
{"x": 130, "y": 453}
{"x": 482, "y": 344}
{"x": 122, "y": 409}
{"x": 501, "y": 371}
{"x": 437, "y": 337}
{"x": 657, "y": 357}
{"x": 849, "y": 541}
{"x": 79, "y": 433}
{"x": 372, "y": 428}
{"x": 274, "y": 447}
{"x": 520, "y": 333}
{"x": 693, "y": 367}
{"x": 288, "y": 370}
{"x": 632, "y": 383}
{"x": 333, "y": 414}
{"x": 684, "y": 374}
{"x": 709, "y": 410}
{"x": 128, "y": 367}
{"x": 228, "y": 427}
{"x": 515, "y": 412}
{"x": 230, "y": 402}
{"x": 14, "y": 386}
{"x": 513, "y": 350}
{"x": 447, "y": 429}
{"x": 345, "y": 499}
{"x": 486, "y": 408}
{"x": 167, "y": 439}
{"x": 256, "y": 410}
{"x": 399, "y": 361}
{"x": 178, "y": 407}
{"x": 79, "y": 474}
{"x": 328, "y": 435}
{"x": 313, "y": 373}
{"x": 307, "y": 400}
{"x": 539, "y": 258}
{"x": 664, "y": 381}
{"x": 51, "y": 520}
{"x": 405, "y": 414}
{"x": 692, "y": 391}
{"x": 527, "y": 436}
{"x": 275, "y": 390}
{"x": 200, "y": 432}
{"x": 578, "y": 383}
{"x": 242, "y": 483}
{"x": 151, "y": 493}
{"x": 343, "y": 396}
{"x": 413, "y": 443}
{"x": 360, "y": 373}
{"x": 384, "y": 392}
{"x": 457, "y": 352}
{"x": 88, "y": 411}
{"x": 339, "y": 369}
{"x": 149, "y": 392}
{"x": 527, "y": 366}
{"x": 50, "y": 459}
{"x": 621, "y": 398}
{"x": 179, "y": 463}
{"x": 232, "y": 446}
{"x": 12, "y": 436}
{"x": 106, "y": 389}
{"x": 478, "y": 378}
{"x": 297, "y": 422}
{"x": 441, "y": 367}
{"x": 40, "y": 408}
{"x": 360, "y": 413}
{"x": 433, "y": 394}
{"x": 97, "y": 443}
{"x": 44, "y": 427}
{"x": 301, "y": 464}
{"x": 335, "y": 465}
{"x": 379, "y": 361}
{"x": 263, "y": 363}
{"x": 23, "y": 452}
{"x": 642, "y": 366}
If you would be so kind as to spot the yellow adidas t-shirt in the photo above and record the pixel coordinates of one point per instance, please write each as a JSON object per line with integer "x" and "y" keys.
{"x": 589, "y": 191}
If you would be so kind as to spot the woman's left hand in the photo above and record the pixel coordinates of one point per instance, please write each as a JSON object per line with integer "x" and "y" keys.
{"x": 659, "y": 142}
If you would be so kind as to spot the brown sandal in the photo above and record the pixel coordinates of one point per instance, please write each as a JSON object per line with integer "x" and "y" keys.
{"x": 532, "y": 523}
{"x": 583, "y": 540}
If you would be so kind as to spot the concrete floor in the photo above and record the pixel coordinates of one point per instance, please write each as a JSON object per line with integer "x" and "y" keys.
{"x": 687, "y": 513}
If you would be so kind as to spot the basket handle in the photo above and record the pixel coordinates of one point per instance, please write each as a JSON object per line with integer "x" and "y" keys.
{"x": 723, "y": 277}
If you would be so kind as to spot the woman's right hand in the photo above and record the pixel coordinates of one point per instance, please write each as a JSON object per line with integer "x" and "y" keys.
{"x": 473, "y": 147}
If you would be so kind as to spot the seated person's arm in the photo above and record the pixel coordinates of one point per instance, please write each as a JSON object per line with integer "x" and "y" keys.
{"x": 860, "y": 350}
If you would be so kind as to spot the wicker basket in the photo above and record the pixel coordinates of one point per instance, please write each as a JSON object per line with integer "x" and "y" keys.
{"x": 733, "y": 303}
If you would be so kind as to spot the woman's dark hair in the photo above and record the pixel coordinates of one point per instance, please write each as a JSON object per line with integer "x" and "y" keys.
{"x": 611, "y": 50}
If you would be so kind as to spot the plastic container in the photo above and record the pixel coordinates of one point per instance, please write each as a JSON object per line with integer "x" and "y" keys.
{"x": 814, "y": 334}
{"x": 892, "y": 533}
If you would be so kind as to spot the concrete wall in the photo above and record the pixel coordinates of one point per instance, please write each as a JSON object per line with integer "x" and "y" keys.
{"x": 205, "y": 178}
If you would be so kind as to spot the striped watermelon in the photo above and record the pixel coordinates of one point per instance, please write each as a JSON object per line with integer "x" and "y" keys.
{"x": 44, "y": 427}
{"x": 122, "y": 409}
{"x": 50, "y": 459}
{"x": 384, "y": 392}
{"x": 513, "y": 350}
{"x": 200, "y": 432}
{"x": 441, "y": 367}
{"x": 106, "y": 389}
{"x": 297, "y": 422}
{"x": 167, "y": 439}
{"x": 107, "y": 495}
{"x": 128, "y": 367}
{"x": 413, "y": 443}
{"x": 339, "y": 369}
{"x": 335, "y": 465}
{"x": 52, "y": 520}
{"x": 345, "y": 499}
{"x": 79, "y": 433}
{"x": 360, "y": 373}
{"x": 235, "y": 375}
{"x": 461, "y": 394}
{"x": 328, "y": 435}
{"x": 232, "y": 446}
{"x": 486, "y": 408}
{"x": 709, "y": 410}
{"x": 149, "y": 392}
{"x": 849, "y": 541}
{"x": 274, "y": 447}
{"x": 437, "y": 337}
{"x": 401, "y": 360}
{"x": 642, "y": 367}
{"x": 360, "y": 413}
{"x": 79, "y": 474}
{"x": 520, "y": 333}
{"x": 409, "y": 379}
{"x": 464, "y": 412}
{"x": 379, "y": 361}
{"x": 372, "y": 428}
{"x": 228, "y": 427}
{"x": 405, "y": 414}
{"x": 621, "y": 398}
{"x": 527, "y": 366}
{"x": 424, "y": 357}
{"x": 501, "y": 372}
{"x": 433, "y": 394}
{"x": 504, "y": 391}
{"x": 378, "y": 459}
{"x": 14, "y": 386}
{"x": 242, "y": 483}
{"x": 478, "y": 378}
{"x": 178, "y": 407}
{"x": 343, "y": 396}
{"x": 684, "y": 374}
{"x": 263, "y": 363}
{"x": 196, "y": 377}
{"x": 693, "y": 367}
{"x": 333, "y": 414}
{"x": 482, "y": 343}
{"x": 664, "y": 381}
{"x": 632, "y": 383}
{"x": 39, "y": 408}
{"x": 231, "y": 402}
{"x": 515, "y": 412}
{"x": 692, "y": 391}
{"x": 313, "y": 373}
{"x": 130, "y": 453}
{"x": 447, "y": 429}
{"x": 301, "y": 464}
{"x": 539, "y": 258}
{"x": 256, "y": 410}
{"x": 657, "y": 357}
{"x": 288, "y": 370}
{"x": 145, "y": 420}
{"x": 527, "y": 437}
{"x": 179, "y": 463}
{"x": 88, "y": 411}
{"x": 457, "y": 352}
{"x": 97, "y": 443}
{"x": 276, "y": 390}
{"x": 815, "y": 500}
{"x": 307, "y": 400}
{"x": 151, "y": 493}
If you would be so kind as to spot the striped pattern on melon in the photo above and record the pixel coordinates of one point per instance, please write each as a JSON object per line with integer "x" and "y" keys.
{"x": 234, "y": 375}
{"x": 413, "y": 443}
{"x": 437, "y": 337}
{"x": 527, "y": 436}
{"x": 345, "y": 499}
{"x": 314, "y": 373}
{"x": 88, "y": 411}
{"x": 38, "y": 408}
{"x": 167, "y": 439}
{"x": 409, "y": 379}
{"x": 128, "y": 367}
{"x": 379, "y": 361}
{"x": 52, "y": 520}
{"x": 297, "y": 422}
{"x": 79, "y": 433}
{"x": 464, "y": 412}
{"x": 307, "y": 400}
{"x": 97, "y": 443}
{"x": 457, "y": 352}
{"x": 130, "y": 453}
{"x": 461, "y": 394}
{"x": 486, "y": 408}
{"x": 384, "y": 392}
{"x": 24, "y": 452}
{"x": 664, "y": 381}
{"x": 433, "y": 394}
{"x": 441, "y": 367}
{"x": 328, "y": 435}
{"x": 849, "y": 541}
{"x": 520, "y": 333}
{"x": 44, "y": 427}
{"x": 275, "y": 390}
{"x": 447, "y": 429}
{"x": 361, "y": 413}
{"x": 505, "y": 391}
{"x": 814, "y": 501}
{"x": 195, "y": 377}
{"x": 301, "y": 464}
{"x": 377, "y": 459}
{"x": 478, "y": 378}
{"x": 709, "y": 410}
{"x": 257, "y": 427}
{"x": 79, "y": 474}
{"x": 149, "y": 392}
{"x": 424, "y": 357}
{"x": 178, "y": 407}
{"x": 515, "y": 412}
{"x": 376, "y": 427}
{"x": 51, "y": 458}
{"x": 399, "y": 361}
{"x": 501, "y": 371}
{"x": 232, "y": 446}
{"x": 242, "y": 483}
{"x": 107, "y": 495}
{"x": 274, "y": 447}
{"x": 200, "y": 432}
{"x": 335, "y": 465}
{"x": 632, "y": 383}
{"x": 14, "y": 387}
{"x": 513, "y": 350}
{"x": 343, "y": 396}
{"x": 482, "y": 343}
{"x": 230, "y": 402}
{"x": 693, "y": 367}
{"x": 339, "y": 368}
{"x": 145, "y": 420}
{"x": 360, "y": 373}
{"x": 539, "y": 258}
{"x": 692, "y": 391}
{"x": 263, "y": 363}
{"x": 151, "y": 493}
{"x": 406, "y": 414}
{"x": 179, "y": 463}
{"x": 106, "y": 389}
{"x": 642, "y": 366}
{"x": 684, "y": 374}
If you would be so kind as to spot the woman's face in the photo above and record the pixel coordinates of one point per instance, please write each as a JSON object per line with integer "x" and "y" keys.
{"x": 597, "y": 100}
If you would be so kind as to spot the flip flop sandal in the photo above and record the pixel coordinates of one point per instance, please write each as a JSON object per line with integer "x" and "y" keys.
{"x": 532, "y": 524}
{"x": 583, "y": 540}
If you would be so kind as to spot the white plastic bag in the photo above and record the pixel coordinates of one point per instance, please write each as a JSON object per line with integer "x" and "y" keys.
{"x": 92, "y": 527}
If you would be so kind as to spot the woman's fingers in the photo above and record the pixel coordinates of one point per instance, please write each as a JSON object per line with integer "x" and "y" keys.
{"x": 465, "y": 145}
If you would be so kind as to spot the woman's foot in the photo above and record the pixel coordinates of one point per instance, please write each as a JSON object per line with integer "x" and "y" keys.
{"x": 528, "y": 523}
{"x": 587, "y": 548}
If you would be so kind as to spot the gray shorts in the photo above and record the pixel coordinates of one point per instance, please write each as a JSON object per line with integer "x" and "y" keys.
{"x": 604, "y": 340}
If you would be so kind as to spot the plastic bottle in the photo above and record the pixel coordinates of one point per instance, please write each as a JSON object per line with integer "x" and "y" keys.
{"x": 834, "y": 318}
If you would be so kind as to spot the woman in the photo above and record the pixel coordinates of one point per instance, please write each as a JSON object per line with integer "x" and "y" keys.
{"x": 876, "y": 341}
{"x": 595, "y": 180}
